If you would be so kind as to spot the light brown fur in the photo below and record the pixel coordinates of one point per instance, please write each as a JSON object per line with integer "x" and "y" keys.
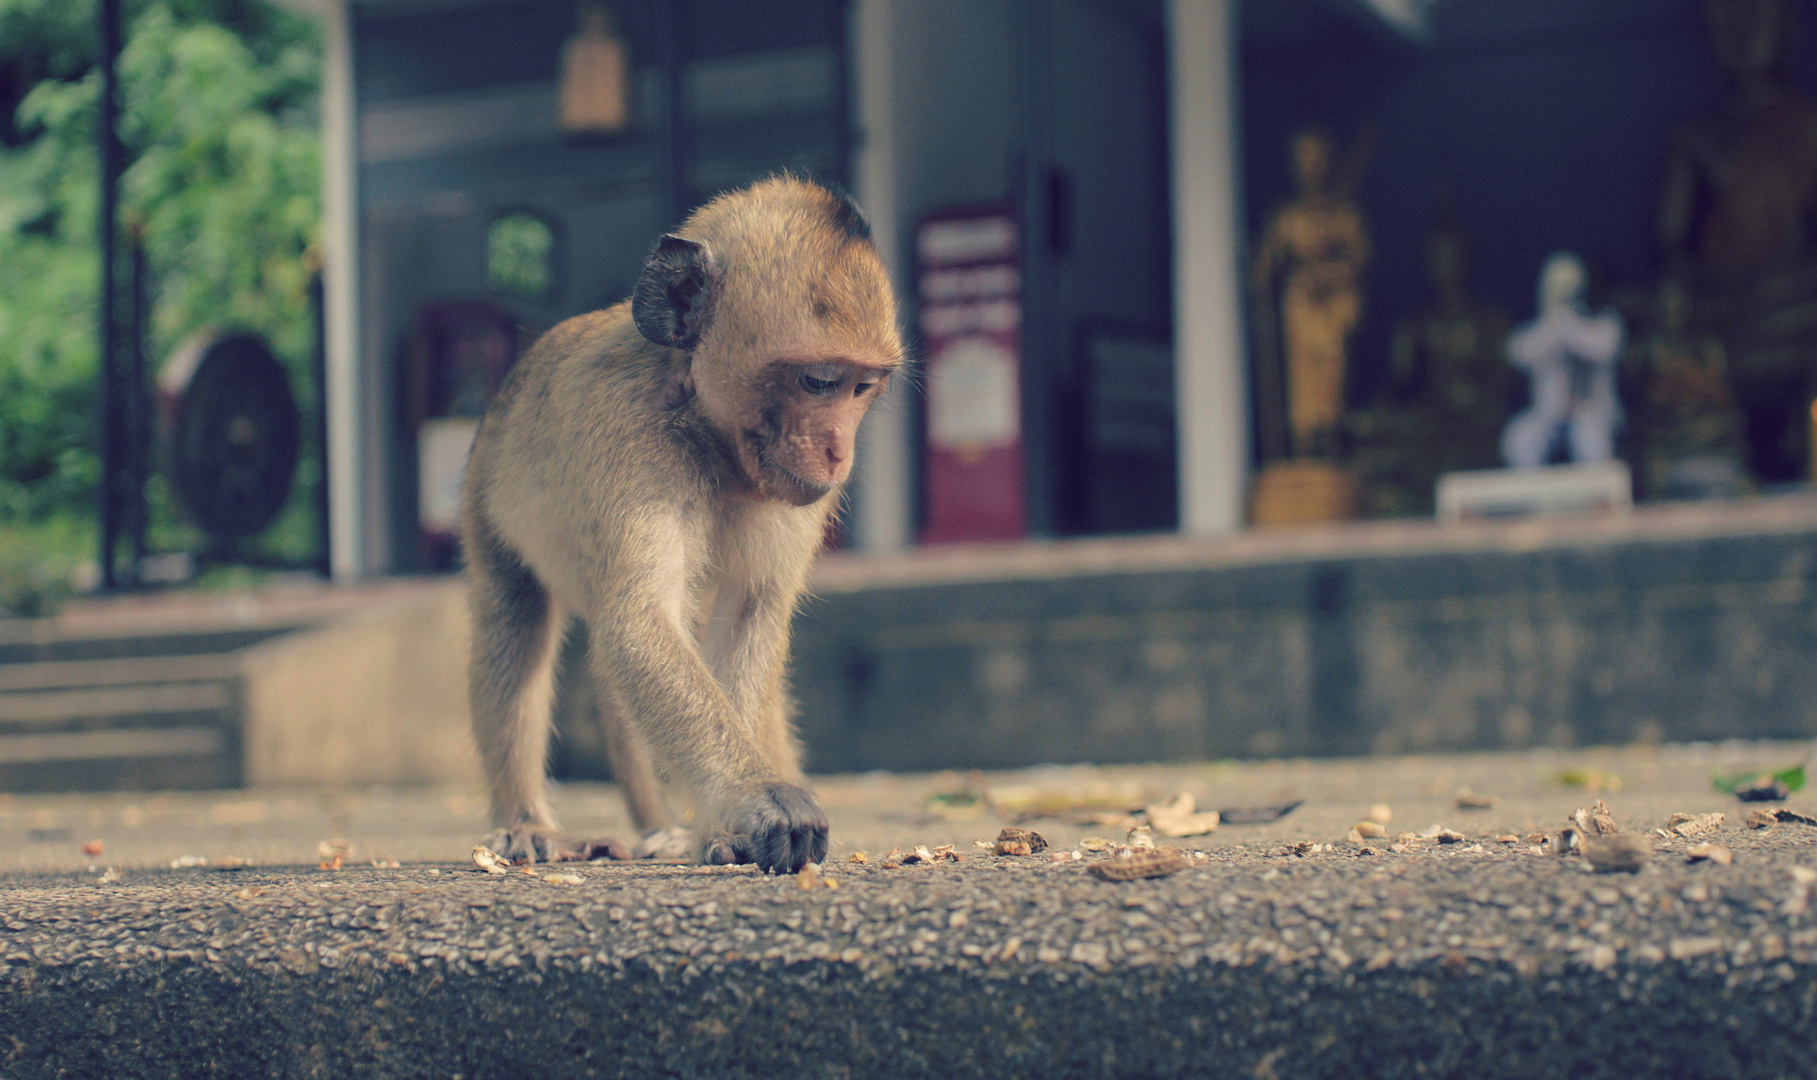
{"x": 674, "y": 498}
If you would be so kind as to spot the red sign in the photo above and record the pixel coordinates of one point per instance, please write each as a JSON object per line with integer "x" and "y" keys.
{"x": 971, "y": 323}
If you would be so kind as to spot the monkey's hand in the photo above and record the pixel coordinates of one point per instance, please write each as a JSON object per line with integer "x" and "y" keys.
{"x": 779, "y": 827}
{"x": 526, "y": 843}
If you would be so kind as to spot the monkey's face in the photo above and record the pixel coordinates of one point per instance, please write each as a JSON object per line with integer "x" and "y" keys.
{"x": 796, "y": 446}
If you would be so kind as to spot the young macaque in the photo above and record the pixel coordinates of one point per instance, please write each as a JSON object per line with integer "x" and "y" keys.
{"x": 665, "y": 470}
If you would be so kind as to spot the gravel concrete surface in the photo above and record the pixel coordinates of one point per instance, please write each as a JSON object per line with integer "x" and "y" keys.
{"x": 1284, "y": 951}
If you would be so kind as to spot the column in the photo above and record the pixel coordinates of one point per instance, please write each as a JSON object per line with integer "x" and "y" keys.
{"x": 340, "y": 295}
{"x": 1211, "y": 381}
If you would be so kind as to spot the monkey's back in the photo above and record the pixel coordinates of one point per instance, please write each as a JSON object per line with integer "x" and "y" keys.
{"x": 585, "y": 390}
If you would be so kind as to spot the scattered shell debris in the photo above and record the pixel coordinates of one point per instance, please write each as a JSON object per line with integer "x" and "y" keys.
{"x": 1619, "y": 853}
{"x": 485, "y": 859}
{"x": 1017, "y": 841}
{"x": 1595, "y": 819}
{"x": 1369, "y": 830}
{"x": 1149, "y": 862}
{"x": 1709, "y": 852}
{"x": 1140, "y": 837}
{"x": 1692, "y": 826}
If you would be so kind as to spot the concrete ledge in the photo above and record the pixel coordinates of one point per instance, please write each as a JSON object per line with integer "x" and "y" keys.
{"x": 1217, "y": 972}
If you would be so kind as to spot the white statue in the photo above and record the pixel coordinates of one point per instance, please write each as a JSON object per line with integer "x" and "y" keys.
{"x": 1569, "y": 354}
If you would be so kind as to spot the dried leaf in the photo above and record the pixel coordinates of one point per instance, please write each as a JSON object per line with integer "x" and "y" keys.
{"x": 1256, "y": 815}
{"x": 1143, "y": 863}
{"x": 1590, "y": 779}
{"x": 859, "y": 857}
{"x": 1760, "y": 786}
{"x": 1180, "y": 816}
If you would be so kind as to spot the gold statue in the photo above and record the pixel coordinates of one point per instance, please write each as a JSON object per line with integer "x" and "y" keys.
{"x": 1735, "y": 220}
{"x": 595, "y": 76}
{"x": 1317, "y": 248}
{"x": 1448, "y": 388}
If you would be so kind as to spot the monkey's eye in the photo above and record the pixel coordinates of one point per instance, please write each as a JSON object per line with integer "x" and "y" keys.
{"x": 821, "y": 379}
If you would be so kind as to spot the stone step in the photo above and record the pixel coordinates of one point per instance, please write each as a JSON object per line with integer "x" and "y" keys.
{"x": 37, "y": 641}
{"x": 133, "y": 671}
{"x": 164, "y": 734}
{"x": 109, "y": 711}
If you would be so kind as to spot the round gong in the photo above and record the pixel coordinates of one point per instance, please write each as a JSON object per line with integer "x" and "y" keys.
{"x": 232, "y": 432}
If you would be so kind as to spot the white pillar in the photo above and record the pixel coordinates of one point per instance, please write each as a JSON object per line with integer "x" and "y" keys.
{"x": 1211, "y": 369}
{"x": 884, "y": 500}
{"x": 340, "y": 292}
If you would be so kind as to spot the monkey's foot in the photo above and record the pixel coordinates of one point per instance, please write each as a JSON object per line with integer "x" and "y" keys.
{"x": 525, "y": 844}
{"x": 780, "y": 828}
{"x": 673, "y": 842}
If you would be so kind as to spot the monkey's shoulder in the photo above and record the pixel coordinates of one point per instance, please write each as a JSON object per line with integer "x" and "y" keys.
{"x": 608, "y": 331}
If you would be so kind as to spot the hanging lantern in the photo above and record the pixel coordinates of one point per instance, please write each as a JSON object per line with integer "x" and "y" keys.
{"x": 595, "y": 76}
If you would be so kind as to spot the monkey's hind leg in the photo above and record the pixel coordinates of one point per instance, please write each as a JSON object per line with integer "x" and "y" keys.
{"x": 511, "y": 690}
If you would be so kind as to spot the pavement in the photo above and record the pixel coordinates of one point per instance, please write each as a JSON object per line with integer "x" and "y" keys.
{"x": 206, "y": 939}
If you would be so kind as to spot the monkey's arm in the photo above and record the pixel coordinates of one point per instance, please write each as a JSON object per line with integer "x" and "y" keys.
{"x": 693, "y": 724}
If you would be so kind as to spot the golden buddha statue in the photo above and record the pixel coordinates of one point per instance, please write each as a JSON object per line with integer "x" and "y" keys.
{"x": 1447, "y": 394}
{"x": 1735, "y": 222}
{"x": 1317, "y": 249}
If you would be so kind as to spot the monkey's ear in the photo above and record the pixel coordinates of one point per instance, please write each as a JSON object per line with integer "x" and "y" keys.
{"x": 674, "y": 298}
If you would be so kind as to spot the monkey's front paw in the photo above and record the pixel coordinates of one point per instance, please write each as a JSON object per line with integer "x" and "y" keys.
{"x": 780, "y": 827}
{"x": 525, "y": 844}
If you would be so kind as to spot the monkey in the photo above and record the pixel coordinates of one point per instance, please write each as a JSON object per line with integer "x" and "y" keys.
{"x": 665, "y": 470}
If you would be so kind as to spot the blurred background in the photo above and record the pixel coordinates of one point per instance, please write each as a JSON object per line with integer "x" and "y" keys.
{"x": 1230, "y": 320}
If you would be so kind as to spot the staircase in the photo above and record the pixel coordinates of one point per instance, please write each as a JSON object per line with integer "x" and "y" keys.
{"x": 102, "y": 711}
{"x": 150, "y": 691}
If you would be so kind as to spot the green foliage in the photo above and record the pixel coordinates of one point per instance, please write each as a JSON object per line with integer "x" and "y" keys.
{"x": 218, "y": 119}
{"x": 519, "y": 249}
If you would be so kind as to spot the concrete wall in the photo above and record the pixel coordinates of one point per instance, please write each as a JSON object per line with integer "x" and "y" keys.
{"x": 1678, "y": 624}
{"x": 376, "y": 698}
